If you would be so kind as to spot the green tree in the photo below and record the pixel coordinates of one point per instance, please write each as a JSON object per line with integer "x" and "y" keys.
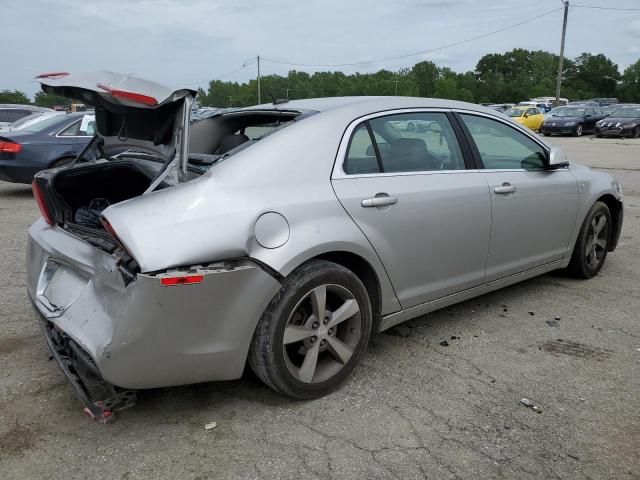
{"x": 48, "y": 100}
{"x": 15, "y": 96}
{"x": 629, "y": 89}
{"x": 592, "y": 76}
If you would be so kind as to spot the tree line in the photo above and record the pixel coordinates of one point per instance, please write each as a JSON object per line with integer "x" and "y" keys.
{"x": 497, "y": 78}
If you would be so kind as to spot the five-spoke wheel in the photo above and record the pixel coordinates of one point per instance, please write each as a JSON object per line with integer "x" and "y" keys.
{"x": 592, "y": 244}
{"x": 314, "y": 332}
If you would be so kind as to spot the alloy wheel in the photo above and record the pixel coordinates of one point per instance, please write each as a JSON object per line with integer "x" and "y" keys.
{"x": 579, "y": 130}
{"x": 322, "y": 333}
{"x": 596, "y": 244}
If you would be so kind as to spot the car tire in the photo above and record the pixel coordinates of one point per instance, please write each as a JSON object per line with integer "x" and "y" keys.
{"x": 62, "y": 162}
{"x": 579, "y": 130}
{"x": 636, "y": 132}
{"x": 590, "y": 250}
{"x": 300, "y": 355}
{"x": 546, "y": 134}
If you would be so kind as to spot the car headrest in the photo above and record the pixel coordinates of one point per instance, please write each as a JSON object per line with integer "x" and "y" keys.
{"x": 409, "y": 146}
{"x": 231, "y": 141}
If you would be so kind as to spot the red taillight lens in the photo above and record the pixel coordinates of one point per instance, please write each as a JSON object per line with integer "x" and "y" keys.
{"x": 136, "y": 97}
{"x": 42, "y": 204}
{"x": 10, "y": 147}
{"x": 53, "y": 75}
{"x": 181, "y": 280}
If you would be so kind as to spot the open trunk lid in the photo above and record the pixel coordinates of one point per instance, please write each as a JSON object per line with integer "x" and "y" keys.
{"x": 131, "y": 112}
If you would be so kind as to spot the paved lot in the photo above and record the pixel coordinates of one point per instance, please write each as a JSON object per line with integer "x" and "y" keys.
{"x": 414, "y": 409}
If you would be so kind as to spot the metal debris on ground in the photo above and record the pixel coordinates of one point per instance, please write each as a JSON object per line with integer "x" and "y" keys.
{"x": 210, "y": 426}
{"x": 528, "y": 403}
{"x": 444, "y": 343}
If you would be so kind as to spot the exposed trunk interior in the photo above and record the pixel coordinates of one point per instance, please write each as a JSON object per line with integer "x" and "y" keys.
{"x": 112, "y": 182}
{"x": 80, "y": 194}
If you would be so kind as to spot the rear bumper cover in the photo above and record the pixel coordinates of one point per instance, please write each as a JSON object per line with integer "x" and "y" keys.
{"x": 144, "y": 335}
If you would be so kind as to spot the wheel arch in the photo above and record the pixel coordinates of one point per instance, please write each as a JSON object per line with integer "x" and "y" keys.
{"x": 615, "y": 208}
{"x": 367, "y": 275}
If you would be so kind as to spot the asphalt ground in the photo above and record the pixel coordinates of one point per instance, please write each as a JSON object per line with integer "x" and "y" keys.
{"x": 413, "y": 409}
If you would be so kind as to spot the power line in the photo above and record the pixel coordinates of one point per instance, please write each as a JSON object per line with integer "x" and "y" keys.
{"x": 607, "y": 8}
{"x": 283, "y": 62}
{"x": 244, "y": 65}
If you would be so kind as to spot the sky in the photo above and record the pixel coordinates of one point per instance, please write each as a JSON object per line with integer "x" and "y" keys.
{"x": 189, "y": 42}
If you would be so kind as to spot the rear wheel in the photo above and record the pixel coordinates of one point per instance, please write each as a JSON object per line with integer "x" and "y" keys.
{"x": 314, "y": 332}
{"x": 578, "y": 132}
{"x": 591, "y": 246}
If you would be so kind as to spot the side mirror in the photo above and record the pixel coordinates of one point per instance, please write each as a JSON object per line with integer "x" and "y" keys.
{"x": 557, "y": 159}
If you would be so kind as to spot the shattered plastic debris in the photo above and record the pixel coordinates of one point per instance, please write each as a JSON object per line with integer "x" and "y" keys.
{"x": 444, "y": 343}
{"x": 528, "y": 403}
{"x": 552, "y": 323}
{"x": 210, "y": 426}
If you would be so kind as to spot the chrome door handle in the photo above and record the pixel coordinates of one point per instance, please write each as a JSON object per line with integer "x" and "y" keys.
{"x": 381, "y": 201}
{"x": 505, "y": 189}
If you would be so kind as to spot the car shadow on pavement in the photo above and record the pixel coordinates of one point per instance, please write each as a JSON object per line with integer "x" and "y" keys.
{"x": 19, "y": 191}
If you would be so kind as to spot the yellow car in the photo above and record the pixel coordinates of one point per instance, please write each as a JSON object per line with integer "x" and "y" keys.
{"x": 530, "y": 117}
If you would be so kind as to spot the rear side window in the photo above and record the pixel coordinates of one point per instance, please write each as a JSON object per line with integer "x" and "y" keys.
{"x": 503, "y": 147}
{"x": 406, "y": 142}
{"x": 12, "y": 114}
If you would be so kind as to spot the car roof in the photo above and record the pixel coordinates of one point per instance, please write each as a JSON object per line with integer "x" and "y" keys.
{"x": 367, "y": 104}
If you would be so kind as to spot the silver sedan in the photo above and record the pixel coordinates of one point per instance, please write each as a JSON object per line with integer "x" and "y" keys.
{"x": 283, "y": 235}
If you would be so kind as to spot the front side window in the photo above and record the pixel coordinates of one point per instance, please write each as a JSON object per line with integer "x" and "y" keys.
{"x": 503, "y": 147}
{"x": 404, "y": 142}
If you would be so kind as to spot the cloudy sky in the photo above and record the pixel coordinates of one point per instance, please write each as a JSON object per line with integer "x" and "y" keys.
{"x": 188, "y": 42}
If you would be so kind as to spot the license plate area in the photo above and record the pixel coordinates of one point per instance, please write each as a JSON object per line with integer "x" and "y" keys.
{"x": 59, "y": 285}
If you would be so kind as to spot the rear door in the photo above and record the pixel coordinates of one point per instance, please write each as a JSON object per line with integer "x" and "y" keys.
{"x": 426, "y": 214}
{"x": 534, "y": 210}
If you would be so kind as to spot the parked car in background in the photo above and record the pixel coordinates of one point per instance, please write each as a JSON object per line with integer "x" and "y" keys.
{"x": 52, "y": 142}
{"x": 604, "y": 102}
{"x": 287, "y": 251}
{"x": 552, "y": 111}
{"x": 500, "y": 107}
{"x": 10, "y": 113}
{"x": 572, "y": 120}
{"x": 530, "y": 117}
{"x": 551, "y": 101}
{"x": 584, "y": 103}
{"x": 542, "y": 106}
{"x": 29, "y": 120}
{"x": 622, "y": 122}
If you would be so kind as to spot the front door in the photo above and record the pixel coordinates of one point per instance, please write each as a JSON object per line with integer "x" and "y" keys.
{"x": 426, "y": 216}
{"x": 534, "y": 211}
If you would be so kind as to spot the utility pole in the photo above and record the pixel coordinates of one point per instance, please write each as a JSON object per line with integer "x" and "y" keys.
{"x": 396, "y": 87}
{"x": 564, "y": 32}
{"x": 259, "y": 101}
{"x": 287, "y": 89}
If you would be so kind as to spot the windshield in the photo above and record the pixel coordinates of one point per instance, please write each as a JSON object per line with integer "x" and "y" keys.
{"x": 570, "y": 112}
{"x": 629, "y": 112}
{"x": 44, "y": 124}
{"x": 514, "y": 112}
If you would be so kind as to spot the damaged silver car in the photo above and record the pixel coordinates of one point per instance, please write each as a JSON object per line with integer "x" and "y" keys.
{"x": 282, "y": 236}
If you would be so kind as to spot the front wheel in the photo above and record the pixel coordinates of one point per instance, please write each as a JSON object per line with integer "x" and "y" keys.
{"x": 591, "y": 246}
{"x": 578, "y": 132}
{"x": 314, "y": 332}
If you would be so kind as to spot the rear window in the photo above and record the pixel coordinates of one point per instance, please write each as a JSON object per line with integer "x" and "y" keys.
{"x": 44, "y": 124}
{"x": 12, "y": 114}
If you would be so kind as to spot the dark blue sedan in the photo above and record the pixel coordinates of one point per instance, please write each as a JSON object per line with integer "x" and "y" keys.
{"x": 49, "y": 143}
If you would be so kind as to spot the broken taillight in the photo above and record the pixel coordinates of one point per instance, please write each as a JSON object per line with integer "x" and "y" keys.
{"x": 10, "y": 147}
{"x": 135, "y": 97}
{"x": 42, "y": 204}
{"x": 181, "y": 280}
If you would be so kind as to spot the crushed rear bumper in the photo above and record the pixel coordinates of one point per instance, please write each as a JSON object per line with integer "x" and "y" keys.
{"x": 101, "y": 399}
